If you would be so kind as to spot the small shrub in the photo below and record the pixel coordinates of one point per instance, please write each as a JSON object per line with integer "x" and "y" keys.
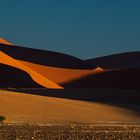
{"x": 2, "y": 119}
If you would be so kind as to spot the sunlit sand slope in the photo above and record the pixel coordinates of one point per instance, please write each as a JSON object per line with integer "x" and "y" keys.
{"x": 2, "y": 41}
{"x": 60, "y": 75}
{"x": 20, "y": 107}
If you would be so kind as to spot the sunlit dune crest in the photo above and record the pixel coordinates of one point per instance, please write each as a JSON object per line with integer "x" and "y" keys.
{"x": 99, "y": 69}
{"x": 3, "y": 41}
{"x": 7, "y": 60}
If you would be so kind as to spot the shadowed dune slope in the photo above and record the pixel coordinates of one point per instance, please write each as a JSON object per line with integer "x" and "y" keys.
{"x": 116, "y": 79}
{"x": 20, "y": 107}
{"x": 42, "y": 57}
{"x": 5, "y": 59}
{"x": 60, "y": 75}
{"x": 11, "y": 77}
{"x": 126, "y": 60}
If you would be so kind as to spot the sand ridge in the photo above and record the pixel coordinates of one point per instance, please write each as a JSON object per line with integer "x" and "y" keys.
{"x": 3, "y": 41}
{"x": 5, "y": 59}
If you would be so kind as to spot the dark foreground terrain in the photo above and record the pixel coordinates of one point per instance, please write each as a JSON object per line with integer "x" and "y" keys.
{"x": 96, "y": 131}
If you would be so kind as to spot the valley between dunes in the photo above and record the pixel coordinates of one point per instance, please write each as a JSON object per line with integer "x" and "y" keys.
{"x": 27, "y": 108}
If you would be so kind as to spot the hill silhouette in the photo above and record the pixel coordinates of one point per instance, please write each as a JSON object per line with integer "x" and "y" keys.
{"x": 126, "y": 60}
{"x": 44, "y": 57}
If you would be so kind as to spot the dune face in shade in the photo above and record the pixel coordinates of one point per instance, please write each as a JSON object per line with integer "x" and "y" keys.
{"x": 45, "y": 57}
{"x": 11, "y": 77}
{"x": 7, "y": 60}
{"x": 3, "y": 41}
{"x": 109, "y": 79}
{"x": 126, "y": 60}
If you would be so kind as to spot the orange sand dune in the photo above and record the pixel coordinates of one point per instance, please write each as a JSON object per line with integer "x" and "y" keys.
{"x": 5, "y": 59}
{"x": 2, "y": 41}
{"x": 20, "y": 107}
{"x": 60, "y": 75}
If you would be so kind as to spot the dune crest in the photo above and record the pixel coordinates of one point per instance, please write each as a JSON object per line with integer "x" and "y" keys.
{"x": 99, "y": 69}
{"x": 3, "y": 41}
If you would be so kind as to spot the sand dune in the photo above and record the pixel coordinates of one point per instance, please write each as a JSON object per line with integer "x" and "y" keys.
{"x": 127, "y": 60}
{"x": 7, "y": 60}
{"x": 60, "y": 75}
{"x": 55, "y": 70}
{"x": 116, "y": 79}
{"x": 53, "y": 77}
{"x": 47, "y": 76}
{"x": 20, "y": 107}
{"x": 3, "y": 41}
{"x": 24, "y": 67}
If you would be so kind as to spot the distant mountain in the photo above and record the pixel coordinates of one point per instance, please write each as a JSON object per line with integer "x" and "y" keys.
{"x": 117, "y": 61}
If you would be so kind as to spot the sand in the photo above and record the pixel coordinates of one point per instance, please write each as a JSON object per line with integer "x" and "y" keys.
{"x": 46, "y": 76}
{"x": 27, "y": 108}
{"x": 61, "y": 75}
{"x": 44, "y": 81}
{"x": 3, "y": 41}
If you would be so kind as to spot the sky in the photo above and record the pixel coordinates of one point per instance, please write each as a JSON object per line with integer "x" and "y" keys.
{"x": 82, "y": 28}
